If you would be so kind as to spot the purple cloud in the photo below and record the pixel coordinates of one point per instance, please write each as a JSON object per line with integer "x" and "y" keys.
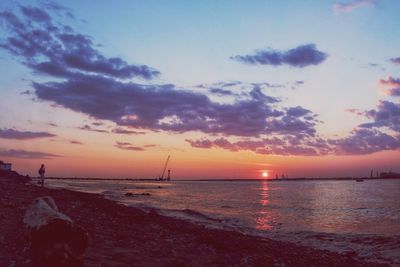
{"x": 26, "y": 154}
{"x": 366, "y": 141}
{"x": 387, "y": 115}
{"x": 352, "y": 5}
{"x": 94, "y": 85}
{"x": 393, "y": 83}
{"x": 75, "y": 142}
{"x": 52, "y": 124}
{"x": 361, "y": 141}
{"x": 373, "y": 136}
{"x": 88, "y": 128}
{"x": 58, "y": 50}
{"x": 236, "y": 89}
{"x": 27, "y": 92}
{"x": 393, "y": 91}
{"x": 282, "y": 145}
{"x": 220, "y": 91}
{"x": 88, "y": 82}
{"x": 298, "y": 111}
{"x": 35, "y": 14}
{"x": 381, "y": 133}
{"x": 395, "y": 60}
{"x": 138, "y": 106}
{"x": 128, "y": 146}
{"x": 150, "y": 145}
{"x": 23, "y": 135}
{"x": 120, "y": 130}
{"x": 301, "y": 56}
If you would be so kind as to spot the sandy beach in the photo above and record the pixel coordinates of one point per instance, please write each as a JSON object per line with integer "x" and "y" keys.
{"x": 126, "y": 236}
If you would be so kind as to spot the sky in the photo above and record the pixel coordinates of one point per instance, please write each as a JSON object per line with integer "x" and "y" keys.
{"x": 228, "y": 89}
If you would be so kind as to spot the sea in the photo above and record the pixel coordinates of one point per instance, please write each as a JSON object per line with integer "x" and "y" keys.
{"x": 344, "y": 216}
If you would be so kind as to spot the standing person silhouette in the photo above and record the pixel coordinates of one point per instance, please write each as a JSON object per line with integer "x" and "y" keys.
{"x": 42, "y": 171}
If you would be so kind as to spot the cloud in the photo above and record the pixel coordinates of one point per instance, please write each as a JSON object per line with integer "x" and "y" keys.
{"x": 394, "y": 83}
{"x": 395, "y": 60}
{"x": 86, "y": 81}
{"x": 52, "y": 6}
{"x": 35, "y": 14}
{"x": 379, "y": 134}
{"x": 237, "y": 89}
{"x": 56, "y": 50}
{"x": 95, "y": 85}
{"x": 75, "y": 142}
{"x": 88, "y": 128}
{"x": 138, "y": 106}
{"x": 386, "y": 115}
{"x": 222, "y": 92}
{"x": 301, "y": 56}
{"x": 359, "y": 142}
{"x": 128, "y": 146}
{"x": 23, "y": 135}
{"x": 150, "y": 145}
{"x": 298, "y": 111}
{"x": 26, "y": 154}
{"x": 356, "y": 111}
{"x": 366, "y": 141}
{"x": 393, "y": 91}
{"x": 120, "y": 130}
{"x": 282, "y": 145}
{"x": 27, "y": 92}
{"x": 351, "y": 5}
{"x": 390, "y": 81}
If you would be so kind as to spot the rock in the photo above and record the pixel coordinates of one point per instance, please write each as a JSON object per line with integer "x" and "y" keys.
{"x": 129, "y": 194}
{"x": 349, "y": 253}
{"x": 54, "y": 240}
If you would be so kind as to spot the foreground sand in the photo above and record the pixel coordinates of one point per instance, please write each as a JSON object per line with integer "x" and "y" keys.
{"x": 125, "y": 236}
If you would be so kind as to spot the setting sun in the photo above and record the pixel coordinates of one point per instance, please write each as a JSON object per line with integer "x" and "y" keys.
{"x": 264, "y": 174}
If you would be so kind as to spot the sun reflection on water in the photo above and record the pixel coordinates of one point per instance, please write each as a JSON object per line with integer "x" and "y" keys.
{"x": 264, "y": 216}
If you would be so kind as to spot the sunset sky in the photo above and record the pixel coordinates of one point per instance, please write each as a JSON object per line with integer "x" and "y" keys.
{"x": 229, "y": 89}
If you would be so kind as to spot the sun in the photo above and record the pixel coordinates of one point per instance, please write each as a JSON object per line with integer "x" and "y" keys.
{"x": 264, "y": 174}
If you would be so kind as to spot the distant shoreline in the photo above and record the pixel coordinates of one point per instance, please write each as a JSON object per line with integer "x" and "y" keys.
{"x": 223, "y": 180}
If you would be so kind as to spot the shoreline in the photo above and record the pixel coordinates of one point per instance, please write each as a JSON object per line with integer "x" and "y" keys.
{"x": 126, "y": 236}
{"x": 221, "y": 180}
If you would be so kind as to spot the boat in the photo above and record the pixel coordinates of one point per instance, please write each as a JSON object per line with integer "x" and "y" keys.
{"x": 161, "y": 177}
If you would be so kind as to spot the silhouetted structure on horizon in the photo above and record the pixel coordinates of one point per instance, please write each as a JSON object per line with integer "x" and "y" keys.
{"x": 389, "y": 175}
{"x": 161, "y": 177}
{"x": 5, "y": 166}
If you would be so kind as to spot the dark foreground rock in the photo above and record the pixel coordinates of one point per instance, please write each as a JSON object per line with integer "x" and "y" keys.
{"x": 54, "y": 239}
{"x": 125, "y": 236}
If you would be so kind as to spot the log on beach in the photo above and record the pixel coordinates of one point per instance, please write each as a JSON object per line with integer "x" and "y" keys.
{"x": 125, "y": 236}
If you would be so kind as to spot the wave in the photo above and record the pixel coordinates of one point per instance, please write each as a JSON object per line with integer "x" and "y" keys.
{"x": 373, "y": 248}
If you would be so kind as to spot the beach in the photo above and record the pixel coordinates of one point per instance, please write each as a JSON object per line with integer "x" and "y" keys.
{"x": 127, "y": 236}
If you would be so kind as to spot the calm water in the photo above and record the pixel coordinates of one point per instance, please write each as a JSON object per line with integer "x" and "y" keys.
{"x": 336, "y": 215}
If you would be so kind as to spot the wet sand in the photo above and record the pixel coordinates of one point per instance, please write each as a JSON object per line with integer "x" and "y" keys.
{"x": 126, "y": 236}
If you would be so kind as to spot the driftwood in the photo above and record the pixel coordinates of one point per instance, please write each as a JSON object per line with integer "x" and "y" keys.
{"x": 54, "y": 239}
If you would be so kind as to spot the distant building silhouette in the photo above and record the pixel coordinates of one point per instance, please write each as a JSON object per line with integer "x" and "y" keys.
{"x": 5, "y": 166}
{"x": 389, "y": 175}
